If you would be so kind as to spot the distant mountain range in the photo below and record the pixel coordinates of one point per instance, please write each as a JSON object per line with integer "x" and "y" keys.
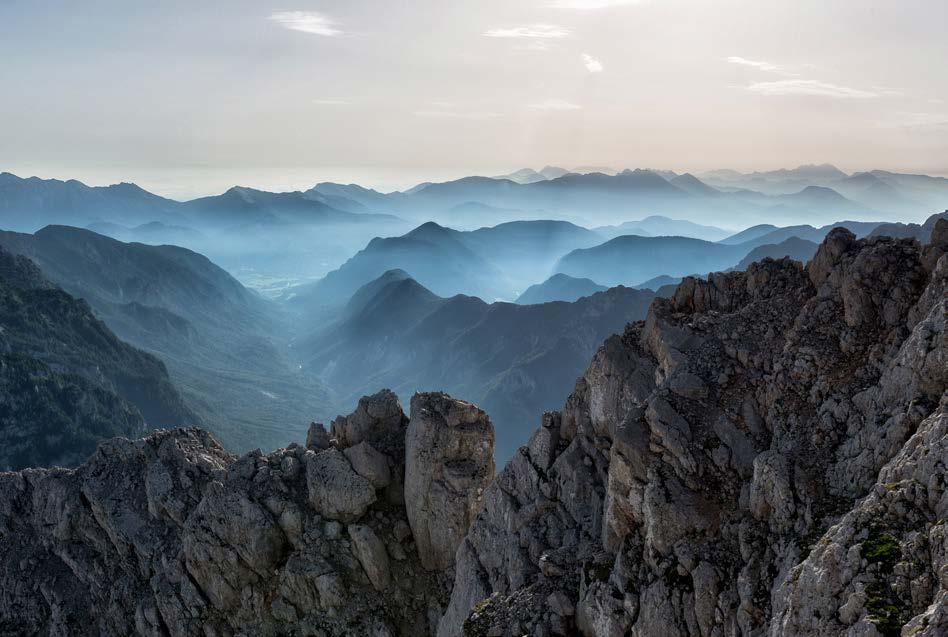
{"x": 661, "y": 281}
{"x": 818, "y": 193}
{"x": 490, "y": 263}
{"x": 529, "y": 175}
{"x": 596, "y": 196}
{"x": 559, "y": 287}
{"x": 31, "y": 203}
{"x": 503, "y": 261}
{"x": 893, "y": 193}
{"x": 319, "y": 228}
{"x": 516, "y": 360}
{"x": 796, "y": 248}
{"x": 631, "y": 258}
{"x": 764, "y": 234}
{"x": 921, "y": 232}
{"x": 655, "y": 261}
{"x": 255, "y": 234}
{"x": 66, "y": 381}
{"x": 660, "y": 226}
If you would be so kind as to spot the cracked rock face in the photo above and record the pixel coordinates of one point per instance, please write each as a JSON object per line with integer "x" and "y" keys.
{"x": 172, "y": 535}
{"x": 449, "y": 462}
{"x": 764, "y": 455}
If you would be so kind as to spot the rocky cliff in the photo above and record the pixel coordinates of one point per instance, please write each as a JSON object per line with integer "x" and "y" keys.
{"x": 764, "y": 455}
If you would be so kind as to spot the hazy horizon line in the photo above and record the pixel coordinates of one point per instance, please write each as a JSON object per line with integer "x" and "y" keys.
{"x": 169, "y": 187}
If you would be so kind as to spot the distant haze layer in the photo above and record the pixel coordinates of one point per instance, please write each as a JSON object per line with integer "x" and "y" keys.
{"x": 187, "y": 98}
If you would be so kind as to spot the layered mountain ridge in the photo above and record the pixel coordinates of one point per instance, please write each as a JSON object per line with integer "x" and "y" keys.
{"x": 66, "y": 381}
{"x": 515, "y": 361}
{"x": 764, "y": 454}
{"x": 219, "y": 341}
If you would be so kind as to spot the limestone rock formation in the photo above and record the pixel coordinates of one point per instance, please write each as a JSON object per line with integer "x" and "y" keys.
{"x": 172, "y": 535}
{"x": 370, "y": 464}
{"x": 317, "y": 438}
{"x": 336, "y": 491}
{"x": 449, "y": 462}
{"x": 764, "y": 455}
{"x": 378, "y": 419}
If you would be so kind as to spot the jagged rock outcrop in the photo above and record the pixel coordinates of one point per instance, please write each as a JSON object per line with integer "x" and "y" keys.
{"x": 449, "y": 462}
{"x": 171, "y": 534}
{"x": 764, "y": 455}
{"x": 378, "y": 418}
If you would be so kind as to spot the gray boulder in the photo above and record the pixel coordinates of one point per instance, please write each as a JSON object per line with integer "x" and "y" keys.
{"x": 336, "y": 491}
{"x": 378, "y": 419}
{"x": 371, "y": 553}
{"x": 370, "y": 464}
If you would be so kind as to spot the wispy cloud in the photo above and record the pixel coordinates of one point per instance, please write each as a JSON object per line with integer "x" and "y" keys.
{"x": 923, "y": 121}
{"x": 325, "y": 102}
{"x": 592, "y": 64}
{"x": 444, "y": 114}
{"x": 589, "y": 5}
{"x": 810, "y": 87}
{"x": 534, "y": 31}
{"x": 555, "y": 104}
{"x": 307, "y": 22}
{"x": 888, "y": 91}
{"x": 757, "y": 64}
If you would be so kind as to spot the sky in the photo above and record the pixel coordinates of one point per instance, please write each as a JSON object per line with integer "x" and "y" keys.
{"x": 189, "y": 98}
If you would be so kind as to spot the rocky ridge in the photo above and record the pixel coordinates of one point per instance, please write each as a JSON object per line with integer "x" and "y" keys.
{"x": 763, "y": 455}
{"x": 171, "y": 534}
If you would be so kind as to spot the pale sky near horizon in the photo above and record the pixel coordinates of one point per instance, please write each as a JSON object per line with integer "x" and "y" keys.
{"x": 188, "y": 98}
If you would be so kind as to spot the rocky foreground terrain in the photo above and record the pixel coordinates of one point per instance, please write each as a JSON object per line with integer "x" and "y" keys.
{"x": 764, "y": 455}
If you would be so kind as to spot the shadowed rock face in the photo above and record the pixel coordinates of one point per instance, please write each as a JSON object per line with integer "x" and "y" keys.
{"x": 764, "y": 455}
{"x": 172, "y": 535}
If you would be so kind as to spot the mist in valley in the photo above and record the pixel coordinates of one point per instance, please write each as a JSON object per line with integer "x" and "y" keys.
{"x": 274, "y": 309}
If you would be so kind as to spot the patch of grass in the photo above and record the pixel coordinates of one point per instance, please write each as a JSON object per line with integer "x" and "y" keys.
{"x": 884, "y": 610}
{"x": 881, "y": 548}
{"x": 474, "y": 625}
